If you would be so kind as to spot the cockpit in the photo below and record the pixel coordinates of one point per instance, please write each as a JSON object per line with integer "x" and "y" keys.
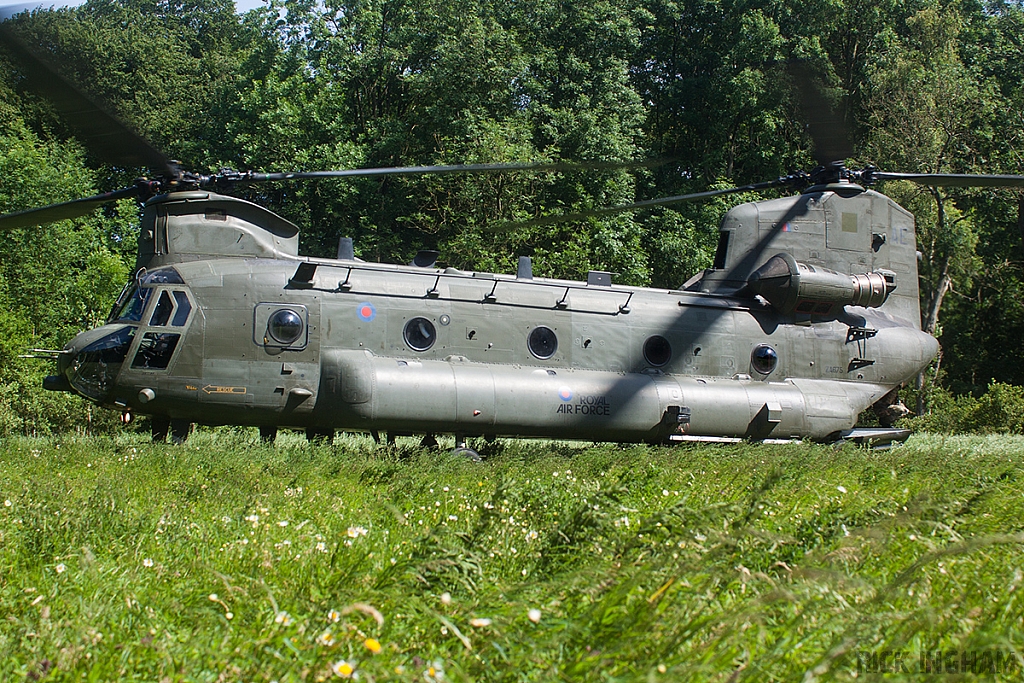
{"x": 90, "y": 364}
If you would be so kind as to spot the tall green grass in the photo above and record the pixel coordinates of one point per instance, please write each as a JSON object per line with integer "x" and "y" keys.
{"x": 228, "y": 560}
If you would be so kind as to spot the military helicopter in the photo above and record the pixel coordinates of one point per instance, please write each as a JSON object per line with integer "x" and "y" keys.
{"x": 808, "y": 316}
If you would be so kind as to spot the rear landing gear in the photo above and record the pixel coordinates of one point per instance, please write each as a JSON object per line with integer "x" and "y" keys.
{"x": 268, "y": 435}
{"x": 462, "y": 449}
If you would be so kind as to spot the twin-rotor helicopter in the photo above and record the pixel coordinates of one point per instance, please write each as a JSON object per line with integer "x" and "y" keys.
{"x": 808, "y": 316}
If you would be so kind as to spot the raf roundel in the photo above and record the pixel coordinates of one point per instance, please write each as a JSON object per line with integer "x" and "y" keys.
{"x": 565, "y": 393}
{"x": 366, "y": 311}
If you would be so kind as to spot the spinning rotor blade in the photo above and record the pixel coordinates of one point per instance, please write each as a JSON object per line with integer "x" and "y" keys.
{"x": 828, "y": 129}
{"x": 144, "y": 189}
{"x": 646, "y": 204}
{"x": 59, "y": 212}
{"x": 230, "y": 177}
{"x": 950, "y": 179}
{"x": 102, "y": 133}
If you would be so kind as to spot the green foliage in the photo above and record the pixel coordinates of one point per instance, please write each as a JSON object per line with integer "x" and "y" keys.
{"x": 131, "y": 561}
{"x": 55, "y": 280}
{"x": 926, "y": 85}
{"x": 999, "y": 410}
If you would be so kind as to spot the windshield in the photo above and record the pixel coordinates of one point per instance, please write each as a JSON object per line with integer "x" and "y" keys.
{"x": 132, "y": 301}
{"x": 94, "y": 369}
{"x": 133, "y": 306}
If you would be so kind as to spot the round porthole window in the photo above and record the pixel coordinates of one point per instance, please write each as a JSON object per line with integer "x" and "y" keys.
{"x": 420, "y": 334}
{"x": 763, "y": 359}
{"x": 542, "y": 342}
{"x": 285, "y": 326}
{"x": 657, "y": 350}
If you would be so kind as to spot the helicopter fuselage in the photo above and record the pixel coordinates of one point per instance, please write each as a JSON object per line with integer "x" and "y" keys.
{"x": 274, "y": 339}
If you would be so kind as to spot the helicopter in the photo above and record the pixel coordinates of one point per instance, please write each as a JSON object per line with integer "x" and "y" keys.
{"x": 808, "y": 316}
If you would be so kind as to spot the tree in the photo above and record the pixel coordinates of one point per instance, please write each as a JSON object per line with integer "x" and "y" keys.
{"x": 926, "y": 111}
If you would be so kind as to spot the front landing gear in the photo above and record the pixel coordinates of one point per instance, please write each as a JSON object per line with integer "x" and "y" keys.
{"x": 161, "y": 425}
{"x": 158, "y": 428}
{"x": 180, "y": 429}
{"x": 318, "y": 435}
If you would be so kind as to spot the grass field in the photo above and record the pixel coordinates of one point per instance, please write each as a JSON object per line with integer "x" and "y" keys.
{"x": 228, "y": 560}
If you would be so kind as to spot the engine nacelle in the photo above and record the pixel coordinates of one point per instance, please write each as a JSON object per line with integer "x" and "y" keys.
{"x": 793, "y": 287}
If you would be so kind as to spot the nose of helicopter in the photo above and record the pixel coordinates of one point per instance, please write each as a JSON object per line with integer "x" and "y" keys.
{"x": 89, "y": 363}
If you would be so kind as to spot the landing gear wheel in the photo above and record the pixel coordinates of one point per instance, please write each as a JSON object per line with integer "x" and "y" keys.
{"x": 320, "y": 435}
{"x": 180, "y": 430}
{"x": 159, "y": 425}
{"x": 268, "y": 434}
{"x": 428, "y": 441}
{"x": 462, "y": 449}
{"x": 468, "y": 453}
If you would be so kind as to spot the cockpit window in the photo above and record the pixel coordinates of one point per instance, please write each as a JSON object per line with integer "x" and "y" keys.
{"x": 95, "y": 368}
{"x": 162, "y": 312}
{"x": 133, "y": 306}
{"x": 155, "y": 350}
{"x": 161, "y": 276}
{"x": 184, "y": 308}
{"x": 132, "y": 302}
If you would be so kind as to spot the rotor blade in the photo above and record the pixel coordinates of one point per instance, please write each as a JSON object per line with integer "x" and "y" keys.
{"x": 827, "y": 129}
{"x": 59, "y": 212}
{"x": 252, "y": 177}
{"x": 102, "y": 133}
{"x": 954, "y": 179}
{"x": 636, "y": 206}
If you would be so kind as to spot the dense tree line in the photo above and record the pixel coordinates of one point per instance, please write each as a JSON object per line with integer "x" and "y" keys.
{"x": 924, "y": 85}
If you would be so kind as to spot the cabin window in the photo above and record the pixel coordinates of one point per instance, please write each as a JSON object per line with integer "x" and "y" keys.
{"x": 543, "y": 342}
{"x": 657, "y": 351}
{"x": 285, "y": 326}
{"x": 763, "y": 359}
{"x": 420, "y": 334}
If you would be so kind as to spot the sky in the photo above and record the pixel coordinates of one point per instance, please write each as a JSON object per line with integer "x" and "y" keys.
{"x": 7, "y": 10}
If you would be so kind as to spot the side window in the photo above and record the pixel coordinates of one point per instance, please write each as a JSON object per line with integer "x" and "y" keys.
{"x": 162, "y": 310}
{"x": 172, "y": 308}
{"x": 184, "y": 308}
{"x": 155, "y": 350}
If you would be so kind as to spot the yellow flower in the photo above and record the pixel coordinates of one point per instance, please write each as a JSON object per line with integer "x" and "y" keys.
{"x": 334, "y": 615}
{"x": 434, "y": 673}
{"x": 343, "y": 669}
{"x": 372, "y": 645}
{"x": 325, "y": 638}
